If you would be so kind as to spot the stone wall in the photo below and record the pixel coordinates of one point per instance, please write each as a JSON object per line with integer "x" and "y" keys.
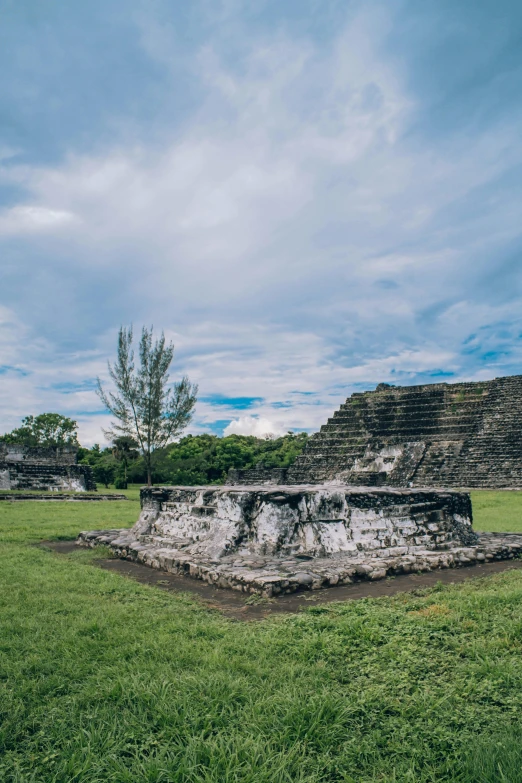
{"x": 22, "y": 467}
{"x": 457, "y": 435}
{"x": 304, "y": 520}
{"x": 15, "y": 452}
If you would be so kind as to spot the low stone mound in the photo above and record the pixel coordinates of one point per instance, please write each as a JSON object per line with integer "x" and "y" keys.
{"x": 280, "y": 539}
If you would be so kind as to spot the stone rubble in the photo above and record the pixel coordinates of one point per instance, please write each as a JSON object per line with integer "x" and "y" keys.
{"x": 275, "y": 540}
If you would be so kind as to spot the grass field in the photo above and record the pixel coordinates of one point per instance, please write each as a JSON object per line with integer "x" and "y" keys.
{"x": 497, "y": 512}
{"x": 106, "y": 680}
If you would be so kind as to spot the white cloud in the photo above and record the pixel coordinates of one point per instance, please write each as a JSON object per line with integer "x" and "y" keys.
{"x": 258, "y": 234}
{"x": 210, "y": 203}
{"x": 28, "y": 219}
{"x": 251, "y": 425}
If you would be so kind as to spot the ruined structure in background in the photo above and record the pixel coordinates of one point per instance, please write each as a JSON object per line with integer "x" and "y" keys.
{"x": 24, "y": 467}
{"x": 437, "y": 435}
{"x": 282, "y": 539}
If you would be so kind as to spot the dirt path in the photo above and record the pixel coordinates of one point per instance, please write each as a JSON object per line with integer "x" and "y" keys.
{"x": 232, "y": 604}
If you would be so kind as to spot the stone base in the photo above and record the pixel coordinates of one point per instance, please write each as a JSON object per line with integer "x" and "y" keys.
{"x": 273, "y": 540}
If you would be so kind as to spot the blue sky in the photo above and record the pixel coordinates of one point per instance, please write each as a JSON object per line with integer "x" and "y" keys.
{"x": 308, "y": 197}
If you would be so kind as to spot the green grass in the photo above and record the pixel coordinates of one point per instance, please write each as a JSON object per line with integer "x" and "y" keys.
{"x": 132, "y": 493}
{"x": 497, "y": 512}
{"x": 103, "y": 680}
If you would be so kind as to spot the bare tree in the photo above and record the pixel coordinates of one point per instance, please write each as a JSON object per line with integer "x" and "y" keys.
{"x": 146, "y": 406}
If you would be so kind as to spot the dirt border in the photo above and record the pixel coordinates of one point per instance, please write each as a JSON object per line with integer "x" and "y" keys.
{"x": 234, "y": 604}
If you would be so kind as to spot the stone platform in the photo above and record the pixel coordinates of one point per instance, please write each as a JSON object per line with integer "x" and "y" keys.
{"x": 279, "y": 539}
{"x": 15, "y": 497}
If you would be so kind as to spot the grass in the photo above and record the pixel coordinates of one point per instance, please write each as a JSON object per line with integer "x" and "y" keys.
{"x": 132, "y": 493}
{"x": 103, "y": 680}
{"x": 497, "y": 512}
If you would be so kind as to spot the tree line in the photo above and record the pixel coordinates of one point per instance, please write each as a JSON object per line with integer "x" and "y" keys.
{"x": 192, "y": 460}
{"x": 150, "y": 413}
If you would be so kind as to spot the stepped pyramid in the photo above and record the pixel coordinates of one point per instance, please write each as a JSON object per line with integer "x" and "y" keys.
{"x": 436, "y": 435}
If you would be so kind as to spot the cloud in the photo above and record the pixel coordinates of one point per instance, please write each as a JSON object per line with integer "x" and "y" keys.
{"x": 251, "y": 425}
{"x": 29, "y": 219}
{"x": 291, "y": 212}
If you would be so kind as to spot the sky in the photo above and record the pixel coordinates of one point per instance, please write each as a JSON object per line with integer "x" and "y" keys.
{"x": 308, "y": 197}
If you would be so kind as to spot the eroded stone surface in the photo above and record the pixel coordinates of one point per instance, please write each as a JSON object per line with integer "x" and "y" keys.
{"x": 273, "y": 540}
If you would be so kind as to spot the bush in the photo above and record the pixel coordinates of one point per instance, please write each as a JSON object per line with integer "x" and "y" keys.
{"x": 104, "y": 471}
{"x": 198, "y": 459}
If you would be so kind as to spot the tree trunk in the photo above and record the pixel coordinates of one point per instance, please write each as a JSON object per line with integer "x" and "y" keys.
{"x": 149, "y": 474}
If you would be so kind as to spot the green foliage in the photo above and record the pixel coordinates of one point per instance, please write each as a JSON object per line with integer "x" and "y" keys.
{"x": 104, "y": 679}
{"x": 495, "y": 757}
{"x": 206, "y": 459}
{"x": 110, "y": 465}
{"x": 97, "y": 459}
{"x": 105, "y": 469}
{"x": 125, "y": 451}
{"x": 49, "y": 430}
{"x": 90, "y": 456}
{"x": 194, "y": 460}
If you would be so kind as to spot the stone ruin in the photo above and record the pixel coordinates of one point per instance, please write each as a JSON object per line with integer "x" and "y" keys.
{"x": 49, "y": 469}
{"x": 279, "y": 539}
{"x": 437, "y": 435}
{"x": 362, "y": 501}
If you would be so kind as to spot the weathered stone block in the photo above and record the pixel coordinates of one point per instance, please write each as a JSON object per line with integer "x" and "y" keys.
{"x": 285, "y": 538}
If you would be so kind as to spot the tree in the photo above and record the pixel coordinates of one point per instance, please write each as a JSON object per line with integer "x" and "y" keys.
{"x": 89, "y": 456}
{"x": 146, "y": 406}
{"x": 104, "y": 470}
{"x": 124, "y": 451}
{"x": 206, "y": 459}
{"x": 51, "y": 430}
